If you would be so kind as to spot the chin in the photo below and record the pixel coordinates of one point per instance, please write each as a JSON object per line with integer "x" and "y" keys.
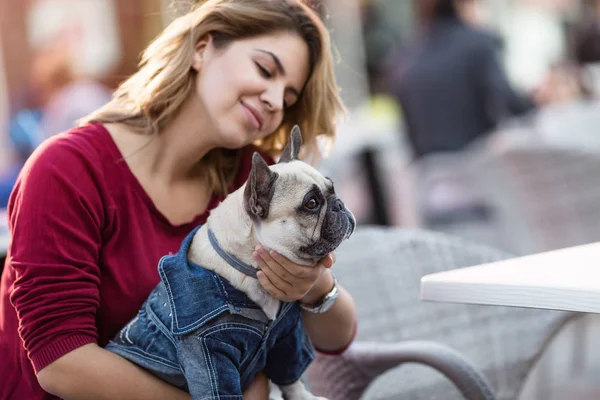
{"x": 235, "y": 139}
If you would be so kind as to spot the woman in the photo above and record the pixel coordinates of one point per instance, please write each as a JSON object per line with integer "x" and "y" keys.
{"x": 96, "y": 207}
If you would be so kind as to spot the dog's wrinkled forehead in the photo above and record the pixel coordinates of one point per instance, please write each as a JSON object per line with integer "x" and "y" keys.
{"x": 299, "y": 176}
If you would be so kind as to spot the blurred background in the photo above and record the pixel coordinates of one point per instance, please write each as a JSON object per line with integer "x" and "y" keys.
{"x": 480, "y": 120}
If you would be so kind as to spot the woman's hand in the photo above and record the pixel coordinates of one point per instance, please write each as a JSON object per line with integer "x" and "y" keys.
{"x": 329, "y": 332}
{"x": 287, "y": 281}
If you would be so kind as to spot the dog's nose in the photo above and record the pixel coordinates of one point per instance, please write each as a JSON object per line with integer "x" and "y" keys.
{"x": 338, "y": 205}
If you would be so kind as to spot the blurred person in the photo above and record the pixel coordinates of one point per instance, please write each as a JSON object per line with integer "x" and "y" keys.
{"x": 587, "y": 55}
{"x": 450, "y": 84}
{"x": 379, "y": 40}
{"x": 96, "y": 207}
{"x": 452, "y": 90}
{"x": 60, "y": 97}
{"x": 570, "y": 93}
{"x": 24, "y": 135}
{"x": 579, "y": 76}
{"x": 560, "y": 85}
{"x": 64, "y": 92}
{"x": 6, "y": 156}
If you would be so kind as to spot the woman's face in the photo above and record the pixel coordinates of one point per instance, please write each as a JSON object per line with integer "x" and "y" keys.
{"x": 246, "y": 86}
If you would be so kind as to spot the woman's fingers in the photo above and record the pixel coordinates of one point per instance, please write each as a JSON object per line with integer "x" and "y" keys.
{"x": 328, "y": 260}
{"x": 283, "y": 278}
{"x": 271, "y": 266}
{"x": 271, "y": 288}
{"x": 271, "y": 272}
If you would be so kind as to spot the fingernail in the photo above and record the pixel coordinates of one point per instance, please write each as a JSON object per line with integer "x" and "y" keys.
{"x": 257, "y": 247}
{"x": 255, "y": 255}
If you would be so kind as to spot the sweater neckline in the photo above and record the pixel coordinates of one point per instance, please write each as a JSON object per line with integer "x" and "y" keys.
{"x": 135, "y": 184}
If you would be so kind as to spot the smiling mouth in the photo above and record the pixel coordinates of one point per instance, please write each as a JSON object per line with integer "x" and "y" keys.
{"x": 253, "y": 117}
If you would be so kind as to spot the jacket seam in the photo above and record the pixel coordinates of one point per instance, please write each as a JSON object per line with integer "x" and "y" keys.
{"x": 151, "y": 357}
{"x": 226, "y": 326}
{"x": 212, "y": 375}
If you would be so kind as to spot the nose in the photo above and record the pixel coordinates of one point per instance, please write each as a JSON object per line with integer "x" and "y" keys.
{"x": 272, "y": 97}
{"x": 337, "y": 205}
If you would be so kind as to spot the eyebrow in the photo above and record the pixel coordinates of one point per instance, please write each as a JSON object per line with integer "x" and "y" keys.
{"x": 280, "y": 69}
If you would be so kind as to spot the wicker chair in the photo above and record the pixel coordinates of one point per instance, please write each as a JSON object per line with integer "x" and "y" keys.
{"x": 545, "y": 196}
{"x": 451, "y": 351}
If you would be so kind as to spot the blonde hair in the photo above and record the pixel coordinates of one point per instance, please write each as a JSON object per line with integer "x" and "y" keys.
{"x": 152, "y": 96}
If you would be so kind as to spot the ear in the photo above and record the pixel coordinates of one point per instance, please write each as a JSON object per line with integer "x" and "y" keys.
{"x": 292, "y": 148}
{"x": 259, "y": 188}
{"x": 199, "y": 50}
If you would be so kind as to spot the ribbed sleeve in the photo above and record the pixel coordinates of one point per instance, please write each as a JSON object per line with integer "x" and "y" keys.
{"x": 56, "y": 218}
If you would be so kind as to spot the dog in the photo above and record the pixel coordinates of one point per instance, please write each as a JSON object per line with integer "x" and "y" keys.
{"x": 209, "y": 326}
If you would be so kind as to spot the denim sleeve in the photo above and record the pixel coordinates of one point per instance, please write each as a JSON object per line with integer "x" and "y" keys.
{"x": 211, "y": 368}
{"x": 289, "y": 358}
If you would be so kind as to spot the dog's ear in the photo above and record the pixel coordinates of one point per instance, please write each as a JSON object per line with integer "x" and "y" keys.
{"x": 292, "y": 148}
{"x": 259, "y": 188}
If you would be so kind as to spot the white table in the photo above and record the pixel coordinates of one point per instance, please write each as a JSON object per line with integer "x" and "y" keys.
{"x": 566, "y": 279}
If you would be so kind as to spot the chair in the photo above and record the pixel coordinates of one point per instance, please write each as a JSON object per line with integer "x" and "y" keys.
{"x": 413, "y": 350}
{"x": 545, "y": 196}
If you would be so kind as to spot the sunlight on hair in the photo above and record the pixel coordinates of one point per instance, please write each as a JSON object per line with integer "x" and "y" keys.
{"x": 149, "y": 99}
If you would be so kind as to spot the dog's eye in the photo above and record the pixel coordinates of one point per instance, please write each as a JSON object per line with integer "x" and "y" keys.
{"x": 312, "y": 204}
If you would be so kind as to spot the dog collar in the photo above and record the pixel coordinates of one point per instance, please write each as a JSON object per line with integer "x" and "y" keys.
{"x": 231, "y": 260}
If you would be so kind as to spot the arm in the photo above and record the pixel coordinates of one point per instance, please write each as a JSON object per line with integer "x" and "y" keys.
{"x": 333, "y": 330}
{"x": 503, "y": 100}
{"x": 330, "y": 332}
{"x": 258, "y": 389}
{"x": 56, "y": 221}
{"x": 85, "y": 372}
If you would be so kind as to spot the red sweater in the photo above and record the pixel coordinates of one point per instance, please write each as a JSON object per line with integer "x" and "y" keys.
{"x": 86, "y": 240}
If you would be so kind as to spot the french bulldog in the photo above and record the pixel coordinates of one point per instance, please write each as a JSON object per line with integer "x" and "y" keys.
{"x": 209, "y": 326}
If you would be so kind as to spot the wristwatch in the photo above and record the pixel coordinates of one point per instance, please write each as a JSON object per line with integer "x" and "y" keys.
{"x": 326, "y": 303}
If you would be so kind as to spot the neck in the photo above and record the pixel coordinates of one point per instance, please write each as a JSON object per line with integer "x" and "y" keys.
{"x": 236, "y": 235}
{"x": 174, "y": 154}
{"x": 241, "y": 244}
{"x": 229, "y": 258}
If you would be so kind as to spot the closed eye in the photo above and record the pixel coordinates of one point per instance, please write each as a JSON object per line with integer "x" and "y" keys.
{"x": 268, "y": 75}
{"x": 263, "y": 71}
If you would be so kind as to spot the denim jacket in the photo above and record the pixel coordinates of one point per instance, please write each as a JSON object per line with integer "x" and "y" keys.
{"x": 198, "y": 332}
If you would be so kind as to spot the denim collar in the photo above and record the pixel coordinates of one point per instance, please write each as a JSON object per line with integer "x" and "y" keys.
{"x": 230, "y": 259}
{"x": 191, "y": 288}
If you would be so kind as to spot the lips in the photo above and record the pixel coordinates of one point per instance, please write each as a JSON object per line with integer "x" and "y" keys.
{"x": 253, "y": 116}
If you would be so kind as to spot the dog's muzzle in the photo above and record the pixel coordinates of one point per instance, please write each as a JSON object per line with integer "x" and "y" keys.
{"x": 338, "y": 224}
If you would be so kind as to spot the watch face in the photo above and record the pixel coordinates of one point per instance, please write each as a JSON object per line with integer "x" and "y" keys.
{"x": 329, "y": 300}
{"x": 326, "y": 303}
